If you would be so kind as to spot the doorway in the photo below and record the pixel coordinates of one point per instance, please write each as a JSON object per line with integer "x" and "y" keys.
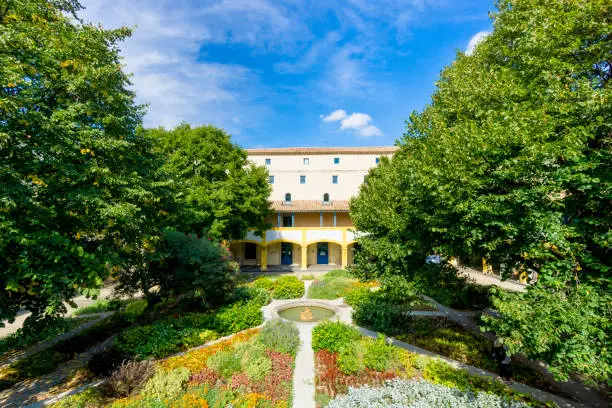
{"x": 322, "y": 253}
{"x": 286, "y": 253}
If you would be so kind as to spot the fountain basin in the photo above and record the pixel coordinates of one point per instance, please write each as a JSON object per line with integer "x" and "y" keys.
{"x": 305, "y": 311}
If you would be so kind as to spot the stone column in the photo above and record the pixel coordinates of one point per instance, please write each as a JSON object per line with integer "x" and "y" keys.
{"x": 344, "y": 256}
{"x": 264, "y": 258}
{"x": 304, "y": 257}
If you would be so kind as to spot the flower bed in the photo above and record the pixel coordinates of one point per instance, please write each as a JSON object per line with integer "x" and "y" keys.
{"x": 343, "y": 360}
{"x": 449, "y": 339}
{"x": 251, "y": 369}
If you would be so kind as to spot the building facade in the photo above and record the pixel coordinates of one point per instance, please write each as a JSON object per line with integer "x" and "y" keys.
{"x": 311, "y": 189}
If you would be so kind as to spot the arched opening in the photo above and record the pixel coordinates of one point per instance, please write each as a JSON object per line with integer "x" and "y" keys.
{"x": 353, "y": 248}
{"x": 246, "y": 253}
{"x": 326, "y": 198}
{"x": 284, "y": 254}
{"x": 324, "y": 253}
{"x": 288, "y": 197}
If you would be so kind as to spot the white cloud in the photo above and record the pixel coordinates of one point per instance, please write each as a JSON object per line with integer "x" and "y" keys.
{"x": 360, "y": 123}
{"x": 475, "y": 40}
{"x": 356, "y": 121}
{"x": 335, "y": 116}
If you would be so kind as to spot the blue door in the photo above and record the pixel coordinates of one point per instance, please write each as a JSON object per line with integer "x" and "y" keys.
{"x": 286, "y": 253}
{"x": 322, "y": 253}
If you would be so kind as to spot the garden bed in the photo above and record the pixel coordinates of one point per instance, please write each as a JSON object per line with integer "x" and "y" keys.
{"x": 251, "y": 369}
{"x": 343, "y": 359}
{"x": 449, "y": 339}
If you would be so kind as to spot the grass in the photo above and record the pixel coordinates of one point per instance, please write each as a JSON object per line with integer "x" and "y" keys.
{"x": 333, "y": 285}
{"x": 306, "y": 277}
{"x": 102, "y": 305}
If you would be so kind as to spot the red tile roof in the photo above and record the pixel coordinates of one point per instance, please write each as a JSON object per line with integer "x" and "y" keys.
{"x": 310, "y": 206}
{"x": 321, "y": 150}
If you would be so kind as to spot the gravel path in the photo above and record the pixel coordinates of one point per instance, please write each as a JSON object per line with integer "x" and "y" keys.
{"x": 488, "y": 280}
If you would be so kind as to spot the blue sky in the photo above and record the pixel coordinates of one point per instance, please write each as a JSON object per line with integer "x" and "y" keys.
{"x": 293, "y": 72}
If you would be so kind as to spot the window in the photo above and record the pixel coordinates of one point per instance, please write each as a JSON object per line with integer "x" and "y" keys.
{"x": 326, "y": 198}
{"x": 302, "y": 179}
{"x": 334, "y": 179}
{"x": 287, "y": 198}
{"x": 250, "y": 250}
{"x": 287, "y": 221}
{"x": 268, "y": 162}
{"x": 377, "y": 160}
{"x": 306, "y": 160}
{"x": 271, "y": 179}
{"x": 336, "y": 160}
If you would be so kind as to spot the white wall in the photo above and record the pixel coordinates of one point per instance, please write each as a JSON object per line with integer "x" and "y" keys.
{"x": 288, "y": 168}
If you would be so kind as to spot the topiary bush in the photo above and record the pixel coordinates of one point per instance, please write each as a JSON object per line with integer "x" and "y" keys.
{"x": 288, "y": 287}
{"x": 333, "y": 336}
{"x": 280, "y": 335}
{"x": 403, "y": 393}
{"x": 166, "y": 384}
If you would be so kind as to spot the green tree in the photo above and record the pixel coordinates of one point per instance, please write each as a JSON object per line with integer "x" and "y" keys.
{"x": 222, "y": 195}
{"x": 81, "y": 194}
{"x": 511, "y": 161}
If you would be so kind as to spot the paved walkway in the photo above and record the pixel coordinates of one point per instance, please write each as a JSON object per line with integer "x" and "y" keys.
{"x": 304, "y": 372}
{"x": 488, "y": 280}
{"x": 10, "y": 328}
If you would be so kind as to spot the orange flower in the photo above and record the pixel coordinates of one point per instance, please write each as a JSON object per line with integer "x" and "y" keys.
{"x": 195, "y": 360}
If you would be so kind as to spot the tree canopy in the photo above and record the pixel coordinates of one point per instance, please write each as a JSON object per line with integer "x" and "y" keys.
{"x": 85, "y": 194}
{"x": 222, "y": 194}
{"x": 77, "y": 194}
{"x": 511, "y": 161}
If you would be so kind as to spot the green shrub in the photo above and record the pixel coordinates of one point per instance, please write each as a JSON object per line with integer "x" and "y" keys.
{"x": 358, "y": 296}
{"x": 257, "y": 368}
{"x": 332, "y": 336}
{"x": 378, "y": 355}
{"x": 134, "y": 310}
{"x": 441, "y": 282}
{"x": 102, "y": 305}
{"x": 337, "y": 273}
{"x": 307, "y": 277}
{"x": 280, "y": 335}
{"x": 251, "y": 295}
{"x": 332, "y": 288}
{"x": 155, "y": 340}
{"x": 382, "y": 316}
{"x": 225, "y": 363}
{"x": 236, "y": 317}
{"x": 166, "y": 384}
{"x": 88, "y": 398}
{"x": 350, "y": 358}
{"x": 195, "y": 337}
{"x": 263, "y": 283}
{"x": 194, "y": 266}
{"x": 288, "y": 287}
